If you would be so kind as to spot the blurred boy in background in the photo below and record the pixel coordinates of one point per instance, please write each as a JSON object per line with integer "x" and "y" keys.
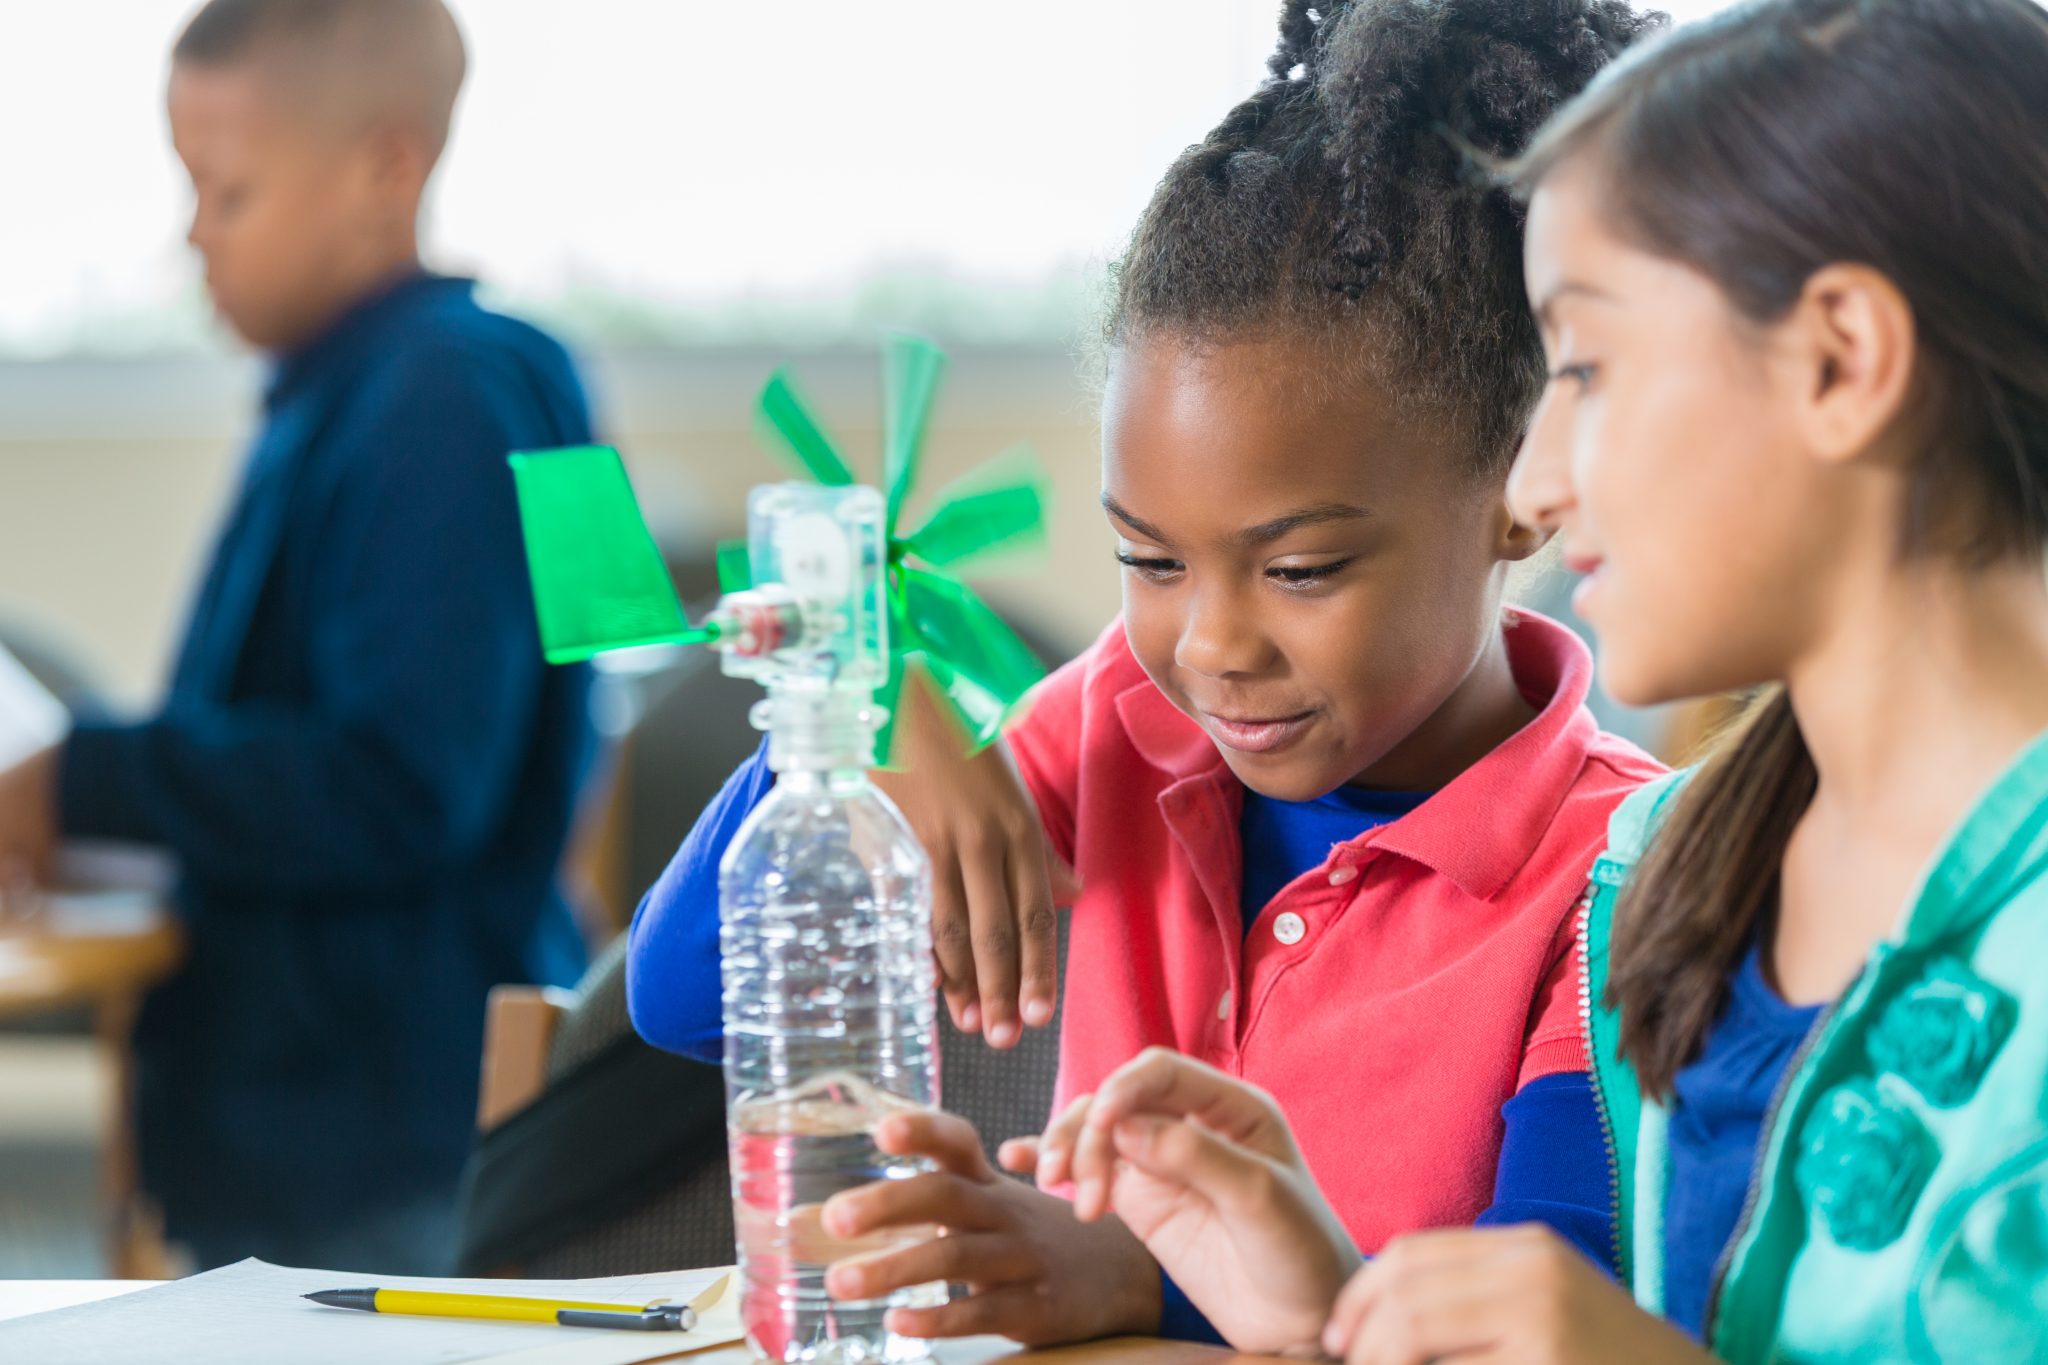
{"x": 361, "y": 763}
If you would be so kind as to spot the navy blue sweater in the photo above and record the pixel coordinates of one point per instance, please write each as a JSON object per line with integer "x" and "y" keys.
{"x": 366, "y": 774}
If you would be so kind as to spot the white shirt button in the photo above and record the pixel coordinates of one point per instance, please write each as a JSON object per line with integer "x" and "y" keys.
{"x": 1341, "y": 875}
{"x": 1223, "y": 1007}
{"x": 1289, "y": 928}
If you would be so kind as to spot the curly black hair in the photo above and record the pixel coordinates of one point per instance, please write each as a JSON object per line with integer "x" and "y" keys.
{"x": 1351, "y": 197}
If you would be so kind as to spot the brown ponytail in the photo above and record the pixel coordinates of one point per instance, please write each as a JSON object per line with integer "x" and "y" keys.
{"x": 1697, "y": 898}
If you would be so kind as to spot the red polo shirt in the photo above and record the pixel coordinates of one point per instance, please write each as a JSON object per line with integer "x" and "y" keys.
{"x": 1390, "y": 1000}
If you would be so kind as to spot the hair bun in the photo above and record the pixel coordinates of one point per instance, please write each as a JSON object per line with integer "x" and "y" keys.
{"x": 1410, "y": 88}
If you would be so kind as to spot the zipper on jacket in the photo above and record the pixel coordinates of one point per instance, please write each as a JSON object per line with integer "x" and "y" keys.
{"x": 1585, "y": 937}
{"x": 1754, "y": 1195}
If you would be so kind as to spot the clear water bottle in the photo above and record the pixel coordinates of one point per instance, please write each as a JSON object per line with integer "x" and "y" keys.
{"x": 830, "y": 1023}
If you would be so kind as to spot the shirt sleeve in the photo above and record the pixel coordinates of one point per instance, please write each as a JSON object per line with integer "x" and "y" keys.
{"x": 672, "y": 978}
{"x": 1553, "y": 1166}
{"x": 1179, "y": 1319}
{"x": 1556, "y": 1040}
{"x": 1046, "y": 745}
{"x": 424, "y": 666}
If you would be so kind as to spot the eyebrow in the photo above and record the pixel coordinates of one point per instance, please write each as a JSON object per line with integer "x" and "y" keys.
{"x": 1315, "y": 514}
{"x": 1567, "y": 290}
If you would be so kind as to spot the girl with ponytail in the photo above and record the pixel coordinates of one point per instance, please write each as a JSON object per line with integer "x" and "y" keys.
{"x": 1331, "y": 807}
{"x": 1790, "y": 271}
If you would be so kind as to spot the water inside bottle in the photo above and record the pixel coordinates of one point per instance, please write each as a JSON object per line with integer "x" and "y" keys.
{"x": 790, "y": 1153}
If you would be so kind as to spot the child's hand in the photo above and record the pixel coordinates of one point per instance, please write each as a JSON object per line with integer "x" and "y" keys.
{"x": 995, "y": 883}
{"x": 1203, "y": 1169}
{"x": 1036, "y": 1275}
{"x": 1518, "y": 1295}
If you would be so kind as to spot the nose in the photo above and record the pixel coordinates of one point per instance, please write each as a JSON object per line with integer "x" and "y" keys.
{"x": 1540, "y": 483}
{"x": 1219, "y": 636}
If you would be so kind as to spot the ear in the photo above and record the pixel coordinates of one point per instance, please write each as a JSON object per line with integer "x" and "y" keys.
{"x": 1851, "y": 342}
{"x": 399, "y": 164}
{"x": 1514, "y": 542}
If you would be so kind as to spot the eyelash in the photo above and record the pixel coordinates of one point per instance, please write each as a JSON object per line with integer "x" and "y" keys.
{"x": 1159, "y": 570}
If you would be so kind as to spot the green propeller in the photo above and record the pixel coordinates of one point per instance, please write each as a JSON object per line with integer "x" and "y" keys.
{"x": 599, "y": 583}
{"x": 598, "y": 580}
{"x": 973, "y": 656}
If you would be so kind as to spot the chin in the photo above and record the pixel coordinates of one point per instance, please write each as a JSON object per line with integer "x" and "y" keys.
{"x": 1634, "y": 680}
{"x": 251, "y": 331}
{"x": 1282, "y": 781}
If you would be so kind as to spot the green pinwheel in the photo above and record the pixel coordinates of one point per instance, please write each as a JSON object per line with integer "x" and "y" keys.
{"x": 970, "y": 653}
{"x": 599, "y": 583}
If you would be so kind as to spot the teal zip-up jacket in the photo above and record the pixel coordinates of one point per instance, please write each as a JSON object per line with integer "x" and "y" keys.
{"x": 1899, "y": 1206}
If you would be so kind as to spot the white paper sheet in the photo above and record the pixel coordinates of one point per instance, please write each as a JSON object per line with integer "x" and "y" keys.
{"x": 251, "y": 1313}
{"x": 30, "y": 718}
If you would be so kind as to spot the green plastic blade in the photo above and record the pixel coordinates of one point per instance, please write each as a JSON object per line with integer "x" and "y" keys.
{"x": 998, "y": 506}
{"x": 980, "y": 712}
{"x": 910, "y": 376}
{"x": 735, "y": 566}
{"x": 598, "y": 580}
{"x": 787, "y": 415}
{"x": 965, "y": 642}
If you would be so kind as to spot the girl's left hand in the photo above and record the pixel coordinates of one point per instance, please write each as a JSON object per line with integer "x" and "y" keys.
{"x": 1497, "y": 1296}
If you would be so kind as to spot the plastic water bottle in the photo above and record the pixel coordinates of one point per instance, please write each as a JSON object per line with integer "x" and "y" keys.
{"x": 830, "y": 1024}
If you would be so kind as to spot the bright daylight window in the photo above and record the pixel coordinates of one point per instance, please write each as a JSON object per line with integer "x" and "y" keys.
{"x": 671, "y": 171}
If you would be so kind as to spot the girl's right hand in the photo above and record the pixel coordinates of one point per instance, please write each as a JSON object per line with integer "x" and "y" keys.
{"x": 995, "y": 882}
{"x": 1203, "y": 1169}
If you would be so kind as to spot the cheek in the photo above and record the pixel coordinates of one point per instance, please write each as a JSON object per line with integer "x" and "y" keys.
{"x": 1152, "y": 626}
{"x": 1682, "y": 487}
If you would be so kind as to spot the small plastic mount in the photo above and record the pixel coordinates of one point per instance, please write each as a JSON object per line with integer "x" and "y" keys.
{"x": 816, "y": 614}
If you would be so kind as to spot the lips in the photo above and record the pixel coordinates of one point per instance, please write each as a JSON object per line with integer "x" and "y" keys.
{"x": 1256, "y": 734}
{"x": 1590, "y": 568}
{"x": 1582, "y": 562}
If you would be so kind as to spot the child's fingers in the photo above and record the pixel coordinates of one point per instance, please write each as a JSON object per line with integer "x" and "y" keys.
{"x": 1353, "y": 1302}
{"x": 1436, "y": 1318}
{"x": 993, "y": 932}
{"x": 1018, "y": 1156}
{"x": 920, "y": 1201}
{"x": 1157, "y": 1081}
{"x": 947, "y": 1139}
{"x": 991, "y": 1258}
{"x": 1404, "y": 1262}
{"x": 1056, "y": 1144}
{"x": 1013, "y": 1311}
{"x": 1162, "y": 1081}
{"x": 953, "y": 941}
{"x": 1238, "y": 1182}
{"x": 1038, "y": 927}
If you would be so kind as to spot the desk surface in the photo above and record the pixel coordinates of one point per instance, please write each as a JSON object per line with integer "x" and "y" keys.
{"x": 84, "y": 949}
{"x": 21, "y": 1297}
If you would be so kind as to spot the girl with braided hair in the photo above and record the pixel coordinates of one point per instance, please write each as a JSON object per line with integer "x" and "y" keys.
{"x": 1330, "y": 805}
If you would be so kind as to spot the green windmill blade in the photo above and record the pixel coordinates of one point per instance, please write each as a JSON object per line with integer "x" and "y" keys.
{"x": 977, "y": 662}
{"x": 996, "y": 507}
{"x": 598, "y": 579}
{"x": 735, "y": 566}
{"x": 910, "y": 378}
{"x": 784, "y": 413}
{"x": 984, "y": 667}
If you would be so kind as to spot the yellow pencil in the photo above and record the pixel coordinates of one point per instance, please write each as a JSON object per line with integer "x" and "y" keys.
{"x": 653, "y": 1317}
